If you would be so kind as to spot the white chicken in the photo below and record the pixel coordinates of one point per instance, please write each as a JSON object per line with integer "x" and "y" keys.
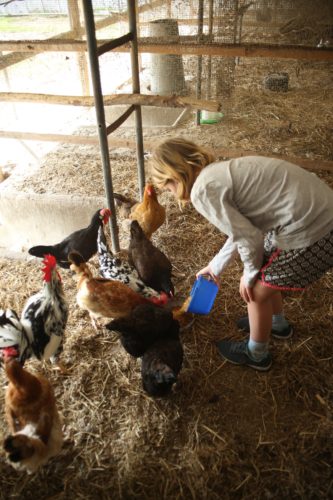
{"x": 113, "y": 268}
{"x": 45, "y": 314}
{"x": 13, "y": 338}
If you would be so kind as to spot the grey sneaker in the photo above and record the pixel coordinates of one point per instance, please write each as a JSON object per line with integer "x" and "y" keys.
{"x": 244, "y": 325}
{"x": 238, "y": 353}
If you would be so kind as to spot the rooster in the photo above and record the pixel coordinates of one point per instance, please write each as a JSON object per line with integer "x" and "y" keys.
{"x": 14, "y": 341}
{"x": 83, "y": 241}
{"x": 45, "y": 314}
{"x": 114, "y": 269}
{"x": 32, "y": 417}
{"x": 103, "y": 297}
{"x": 142, "y": 327}
{"x": 153, "y": 266}
{"x": 149, "y": 213}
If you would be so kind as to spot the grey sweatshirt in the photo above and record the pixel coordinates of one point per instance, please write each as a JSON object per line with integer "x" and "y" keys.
{"x": 249, "y": 196}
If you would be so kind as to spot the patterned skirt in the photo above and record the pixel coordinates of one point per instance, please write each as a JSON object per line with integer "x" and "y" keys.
{"x": 296, "y": 269}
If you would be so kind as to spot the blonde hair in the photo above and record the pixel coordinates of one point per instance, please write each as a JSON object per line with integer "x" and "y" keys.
{"x": 181, "y": 161}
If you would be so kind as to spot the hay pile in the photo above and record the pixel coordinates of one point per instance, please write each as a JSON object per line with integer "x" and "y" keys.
{"x": 225, "y": 431}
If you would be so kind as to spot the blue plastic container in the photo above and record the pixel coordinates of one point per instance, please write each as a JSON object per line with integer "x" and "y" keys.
{"x": 203, "y": 294}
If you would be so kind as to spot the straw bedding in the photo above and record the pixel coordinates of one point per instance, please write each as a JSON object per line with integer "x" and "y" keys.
{"x": 225, "y": 431}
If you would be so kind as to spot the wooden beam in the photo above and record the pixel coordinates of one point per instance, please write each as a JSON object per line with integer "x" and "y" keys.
{"x": 237, "y": 50}
{"x": 63, "y": 138}
{"x": 81, "y": 58}
{"x": 109, "y": 100}
{"x": 302, "y": 162}
{"x": 181, "y": 47}
{"x": 150, "y": 145}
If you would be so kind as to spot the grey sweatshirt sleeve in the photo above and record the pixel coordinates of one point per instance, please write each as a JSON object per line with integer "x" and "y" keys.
{"x": 219, "y": 209}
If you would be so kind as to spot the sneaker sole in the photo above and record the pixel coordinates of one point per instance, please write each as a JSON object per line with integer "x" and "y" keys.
{"x": 255, "y": 367}
{"x": 273, "y": 333}
{"x": 282, "y": 337}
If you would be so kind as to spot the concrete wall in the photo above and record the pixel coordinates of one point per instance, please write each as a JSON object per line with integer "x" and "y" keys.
{"x": 32, "y": 219}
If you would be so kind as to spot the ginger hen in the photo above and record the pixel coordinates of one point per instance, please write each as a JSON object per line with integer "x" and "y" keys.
{"x": 102, "y": 297}
{"x": 32, "y": 417}
{"x": 149, "y": 213}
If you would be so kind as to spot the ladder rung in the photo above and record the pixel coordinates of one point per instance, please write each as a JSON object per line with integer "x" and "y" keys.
{"x": 113, "y": 44}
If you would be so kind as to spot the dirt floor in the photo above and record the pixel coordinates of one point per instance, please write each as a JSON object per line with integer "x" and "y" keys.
{"x": 225, "y": 431}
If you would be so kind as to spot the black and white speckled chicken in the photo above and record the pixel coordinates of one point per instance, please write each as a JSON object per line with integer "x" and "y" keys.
{"x": 143, "y": 326}
{"x": 153, "y": 266}
{"x": 161, "y": 364}
{"x": 83, "y": 241}
{"x": 45, "y": 314}
{"x": 113, "y": 268}
{"x": 13, "y": 338}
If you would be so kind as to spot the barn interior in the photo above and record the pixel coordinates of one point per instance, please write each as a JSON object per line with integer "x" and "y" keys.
{"x": 240, "y": 78}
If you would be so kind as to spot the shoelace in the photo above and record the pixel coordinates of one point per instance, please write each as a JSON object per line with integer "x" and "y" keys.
{"x": 239, "y": 347}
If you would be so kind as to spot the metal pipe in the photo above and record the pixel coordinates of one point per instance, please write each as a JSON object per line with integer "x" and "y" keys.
{"x": 136, "y": 90}
{"x": 100, "y": 117}
{"x": 199, "y": 71}
{"x": 210, "y": 33}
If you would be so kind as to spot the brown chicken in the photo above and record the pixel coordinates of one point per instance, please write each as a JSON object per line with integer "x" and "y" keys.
{"x": 32, "y": 417}
{"x": 149, "y": 213}
{"x": 153, "y": 266}
{"x": 161, "y": 364}
{"x": 145, "y": 325}
{"x": 102, "y": 297}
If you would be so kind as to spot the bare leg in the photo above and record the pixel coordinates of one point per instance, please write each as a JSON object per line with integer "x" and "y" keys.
{"x": 277, "y": 303}
{"x": 260, "y": 312}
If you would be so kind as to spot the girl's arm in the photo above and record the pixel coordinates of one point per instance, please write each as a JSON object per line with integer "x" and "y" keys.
{"x": 244, "y": 237}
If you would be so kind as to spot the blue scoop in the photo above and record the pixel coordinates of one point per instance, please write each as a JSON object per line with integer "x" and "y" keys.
{"x": 203, "y": 294}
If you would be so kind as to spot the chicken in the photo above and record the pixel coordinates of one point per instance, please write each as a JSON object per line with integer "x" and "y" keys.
{"x": 32, "y": 417}
{"x": 13, "y": 337}
{"x": 102, "y": 297}
{"x": 149, "y": 213}
{"x": 45, "y": 314}
{"x": 114, "y": 269}
{"x": 83, "y": 241}
{"x": 161, "y": 364}
{"x": 153, "y": 266}
{"x": 142, "y": 327}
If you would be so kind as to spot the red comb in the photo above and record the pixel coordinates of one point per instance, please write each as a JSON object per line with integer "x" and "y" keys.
{"x": 150, "y": 189}
{"x": 9, "y": 352}
{"x": 50, "y": 263}
{"x": 106, "y": 214}
{"x": 161, "y": 300}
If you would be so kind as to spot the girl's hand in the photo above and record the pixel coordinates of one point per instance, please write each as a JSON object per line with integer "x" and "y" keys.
{"x": 246, "y": 292}
{"x": 206, "y": 271}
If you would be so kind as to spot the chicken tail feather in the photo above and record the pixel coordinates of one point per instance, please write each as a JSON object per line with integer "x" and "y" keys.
{"x": 41, "y": 250}
{"x": 27, "y": 385}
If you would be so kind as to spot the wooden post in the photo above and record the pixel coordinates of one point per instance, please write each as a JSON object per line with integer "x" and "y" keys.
{"x": 75, "y": 24}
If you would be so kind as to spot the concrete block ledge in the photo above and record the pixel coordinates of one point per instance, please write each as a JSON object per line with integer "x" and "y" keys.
{"x": 40, "y": 219}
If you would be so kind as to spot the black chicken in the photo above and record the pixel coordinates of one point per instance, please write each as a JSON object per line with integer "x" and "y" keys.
{"x": 83, "y": 241}
{"x": 152, "y": 264}
{"x": 143, "y": 326}
{"x": 161, "y": 364}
